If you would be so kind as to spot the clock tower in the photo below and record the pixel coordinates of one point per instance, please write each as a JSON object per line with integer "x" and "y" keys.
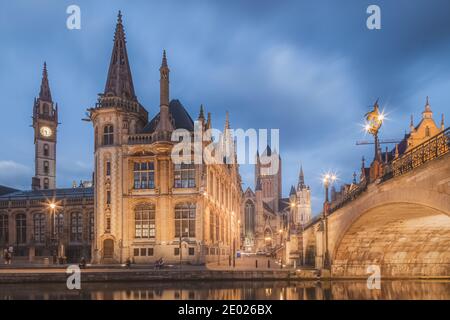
{"x": 45, "y": 122}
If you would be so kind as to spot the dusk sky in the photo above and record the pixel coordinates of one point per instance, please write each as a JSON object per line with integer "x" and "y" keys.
{"x": 309, "y": 68}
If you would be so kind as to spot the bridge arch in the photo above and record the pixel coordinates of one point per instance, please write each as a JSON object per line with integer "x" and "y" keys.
{"x": 406, "y": 238}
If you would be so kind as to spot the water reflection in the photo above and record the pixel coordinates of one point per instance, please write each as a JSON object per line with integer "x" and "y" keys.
{"x": 270, "y": 290}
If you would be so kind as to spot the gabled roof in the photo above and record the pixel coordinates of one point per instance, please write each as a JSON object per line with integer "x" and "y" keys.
{"x": 179, "y": 115}
{"x": 249, "y": 192}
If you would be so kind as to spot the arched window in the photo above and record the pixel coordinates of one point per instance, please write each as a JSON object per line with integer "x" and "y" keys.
{"x": 39, "y": 227}
{"x": 46, "y": 150}
{"x": 21, "y": 228}
{"x": 249, "y": 218}
{"x": 46, "y": 183}
{"x": 108, "y": 135}
{"x": 76, "y": 226}
{"x": 144, "y": 221}
{"x": 427, "y": 132}
{"x": 4, "y": 228}
{"x": 46, "y": 167}
{"x": 185, "y": 220}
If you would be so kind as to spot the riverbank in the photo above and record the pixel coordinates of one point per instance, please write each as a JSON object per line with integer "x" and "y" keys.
{"x": 187, "y": 273}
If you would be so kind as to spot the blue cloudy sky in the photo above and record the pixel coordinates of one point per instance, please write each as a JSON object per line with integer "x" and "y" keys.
{"x": 309, "y": 68}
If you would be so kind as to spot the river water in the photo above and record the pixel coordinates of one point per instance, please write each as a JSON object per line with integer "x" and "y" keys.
{"x": 260, "y": 290}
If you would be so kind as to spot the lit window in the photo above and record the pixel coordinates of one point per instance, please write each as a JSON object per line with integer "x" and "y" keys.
{"x": 145, "y": 227}
{"x": 184, "y": 176}
{"x": 185, "y": 220}
{"x": 76, "y": 226}
{"x": 144, "y": 175}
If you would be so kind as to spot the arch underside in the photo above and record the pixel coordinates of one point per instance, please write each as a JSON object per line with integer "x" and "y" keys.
{"x": 403, "y": 239}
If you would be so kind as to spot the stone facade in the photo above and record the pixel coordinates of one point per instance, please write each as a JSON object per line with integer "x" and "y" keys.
{"x": 269, "y": 223}
{"x": 147, "y": 206}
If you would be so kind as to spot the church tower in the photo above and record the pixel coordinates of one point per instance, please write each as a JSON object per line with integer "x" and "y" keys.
{"x": 269, "y": 174}
{"x": 116, "y": 115}
{"x": 45, "y": 123}
{"x": 303, "y": 213}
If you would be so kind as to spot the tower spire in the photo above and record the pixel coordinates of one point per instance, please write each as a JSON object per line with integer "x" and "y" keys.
{"x": 120, "y": 82}
{"x": 44, "y": 93}
{"x": 301, "y": 178}
{"x": 164, "y": 123}
{"x": 442, "y": 122}
{"x": 427, "y": 113}
{"x": 201, "y": 115}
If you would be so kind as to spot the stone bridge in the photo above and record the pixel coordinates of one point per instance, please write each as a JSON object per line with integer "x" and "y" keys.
{"x": 400, "y": 222}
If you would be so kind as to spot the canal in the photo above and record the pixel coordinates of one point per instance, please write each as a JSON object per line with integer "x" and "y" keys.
{"x": 221, "y": 290}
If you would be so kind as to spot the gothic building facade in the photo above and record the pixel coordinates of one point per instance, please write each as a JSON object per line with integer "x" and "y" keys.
{"x": 147, "y": 206}
{"x": 270, "y": 222}
{"x": 141, "y": 205}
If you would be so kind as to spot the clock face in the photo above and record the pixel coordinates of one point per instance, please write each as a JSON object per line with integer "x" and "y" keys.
{"x": 46, "y": 132}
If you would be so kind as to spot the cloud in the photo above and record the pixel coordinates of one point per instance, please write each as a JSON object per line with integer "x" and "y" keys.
{"x": 14, "y": 174}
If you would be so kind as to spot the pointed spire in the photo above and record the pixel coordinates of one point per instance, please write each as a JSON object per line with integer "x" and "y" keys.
{"x": 411, "y": 124}
{"x": 164, "y": 81}
{"x": 164, "y": 59}
{"x": 201, "y": 115}
{"x": 164, "y": 123}
{"x": 396, "y": 150}
{"x": 227, "y": 120}
{"x": 354, "y": 177}
{"x": 119, "y": 82}
{"x": 301, "y": 179}
{"x": 208, "y": 121}
{"x": 427, "y": 113}
{"x": 363, "y": 162}
{"x": 44, "y": 93}
{"x": 442, "y": 122}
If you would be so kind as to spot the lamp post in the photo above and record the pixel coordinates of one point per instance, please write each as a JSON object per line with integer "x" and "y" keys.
{"x": 328, "y": 179}
{"x": 374, "y": 121}
{"x": 52, "y": 207}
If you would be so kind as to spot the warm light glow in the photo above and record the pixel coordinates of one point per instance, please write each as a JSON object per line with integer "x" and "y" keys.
{"x": 292, "y": 204}
{"x": 268, "y": 238}
{"x": 280, "y": 231}
{"x": 52, "y": 205}
{"x": 329, "y": 177}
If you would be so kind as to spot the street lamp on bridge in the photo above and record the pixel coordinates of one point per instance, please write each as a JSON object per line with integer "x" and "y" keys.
{"x": 328, "y": 179}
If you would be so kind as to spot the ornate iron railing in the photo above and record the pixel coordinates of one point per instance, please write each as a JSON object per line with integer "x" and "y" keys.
{"x": 349, "y": 196}
{"x": 431, "y": 149}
